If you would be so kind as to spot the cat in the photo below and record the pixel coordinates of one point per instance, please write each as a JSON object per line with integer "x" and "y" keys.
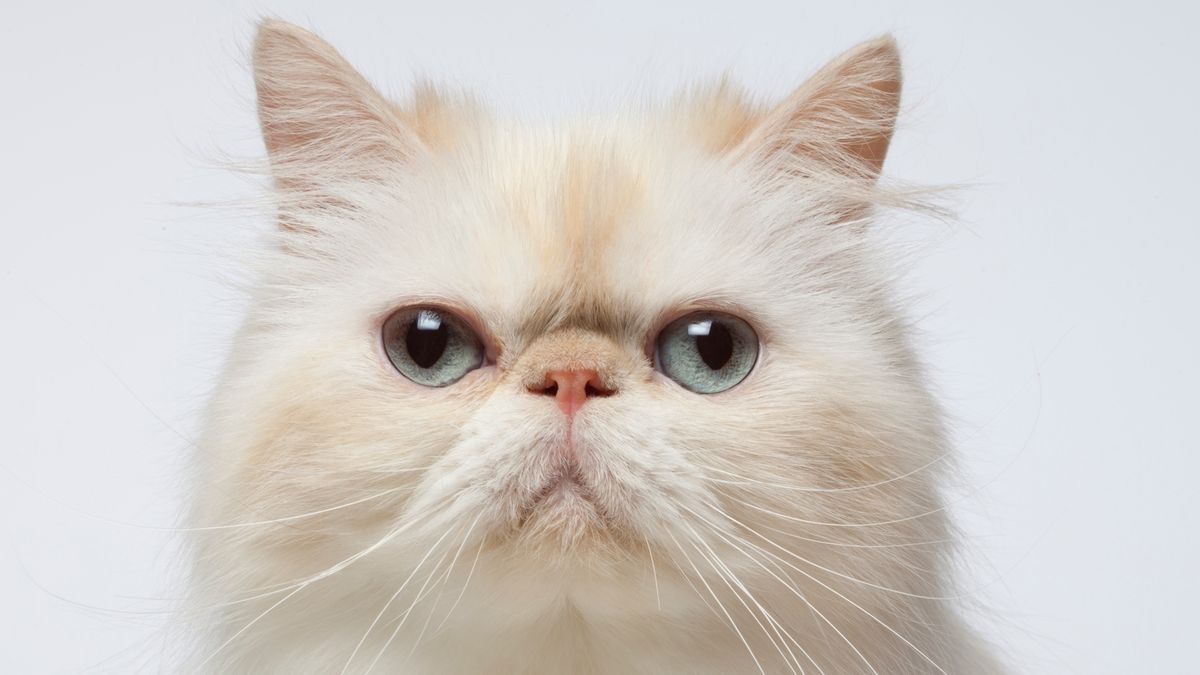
{"x": 631, "y": 394}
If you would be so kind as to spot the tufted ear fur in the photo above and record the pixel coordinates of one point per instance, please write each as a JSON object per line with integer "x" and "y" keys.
{"x": 840, "y": 120}
{"x": 322, "y": 122}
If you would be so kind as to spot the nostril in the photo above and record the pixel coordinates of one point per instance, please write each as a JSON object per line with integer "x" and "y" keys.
{"x": 547, "y": 387}
{"x": 592, "y": 390}
{"x": 571, "y": 388}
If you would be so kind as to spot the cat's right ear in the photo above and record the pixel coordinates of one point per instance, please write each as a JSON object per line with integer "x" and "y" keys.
{"x": 322, "y": 122}
{"x": 841, "y": 120}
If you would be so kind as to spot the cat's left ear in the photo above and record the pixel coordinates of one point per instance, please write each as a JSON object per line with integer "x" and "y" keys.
{"x": 841, "y": 119}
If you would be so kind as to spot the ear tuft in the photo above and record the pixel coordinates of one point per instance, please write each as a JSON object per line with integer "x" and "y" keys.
{"x": 319, "y": 117}
{"x": 841, "y": 119}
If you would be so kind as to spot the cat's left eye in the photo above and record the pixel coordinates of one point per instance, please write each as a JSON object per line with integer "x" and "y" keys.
{"x": 431, "y": 346}
{"x": 707, "y": 352}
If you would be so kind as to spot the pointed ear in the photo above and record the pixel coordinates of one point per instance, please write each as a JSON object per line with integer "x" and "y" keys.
{"x": 320, "y": 119}
{"x": 841, "y": 119}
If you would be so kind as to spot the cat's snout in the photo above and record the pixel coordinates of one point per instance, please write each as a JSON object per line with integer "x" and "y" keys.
{"x": 572, "y": 388}
{"x": 572, "y": 365}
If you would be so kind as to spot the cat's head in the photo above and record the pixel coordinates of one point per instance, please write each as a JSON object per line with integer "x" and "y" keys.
{"x": 616, "y": 338}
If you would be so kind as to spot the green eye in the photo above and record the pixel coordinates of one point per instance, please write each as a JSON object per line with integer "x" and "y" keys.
{"x": 707, "y": 352}
{"x": 430, "y": 346}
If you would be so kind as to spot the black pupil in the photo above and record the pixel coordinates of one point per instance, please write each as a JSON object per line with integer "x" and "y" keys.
{"x": 425, "y": 342}
{"x": 716, "y": 348}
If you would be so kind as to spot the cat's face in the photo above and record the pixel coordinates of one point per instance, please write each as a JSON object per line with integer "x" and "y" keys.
{"x": 472, "y": 335}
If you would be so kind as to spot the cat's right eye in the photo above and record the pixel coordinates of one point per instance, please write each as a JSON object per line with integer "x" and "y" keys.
{"x": 431, "y": 346}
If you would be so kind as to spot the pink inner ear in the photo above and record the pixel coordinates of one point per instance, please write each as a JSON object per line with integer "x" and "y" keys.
{"x": 842, "y": 117}
{"x": 317, "y": 113}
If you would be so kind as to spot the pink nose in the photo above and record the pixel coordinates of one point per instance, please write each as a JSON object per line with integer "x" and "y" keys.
{"x": 572, "y": 388}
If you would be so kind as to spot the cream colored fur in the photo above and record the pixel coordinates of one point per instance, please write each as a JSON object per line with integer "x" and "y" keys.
{"x": 352, "y": 521}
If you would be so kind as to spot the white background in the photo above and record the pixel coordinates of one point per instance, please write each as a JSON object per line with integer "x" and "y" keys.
{"x": 1060, "y": 313}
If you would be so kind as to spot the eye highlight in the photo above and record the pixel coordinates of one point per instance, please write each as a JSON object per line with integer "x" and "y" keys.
{"x": 431, "y": 346}
{"x": 706, "y": 352}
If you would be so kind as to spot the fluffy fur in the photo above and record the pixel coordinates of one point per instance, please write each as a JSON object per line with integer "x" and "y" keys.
{"x": 349, "y": 520}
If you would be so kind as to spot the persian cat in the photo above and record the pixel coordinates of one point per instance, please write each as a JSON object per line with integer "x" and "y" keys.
{"x": 629, "y": 394}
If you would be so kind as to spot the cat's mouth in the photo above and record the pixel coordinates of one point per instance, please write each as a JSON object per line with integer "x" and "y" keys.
{"x": 567, "y": 480}
{"x": 565, "y": 499}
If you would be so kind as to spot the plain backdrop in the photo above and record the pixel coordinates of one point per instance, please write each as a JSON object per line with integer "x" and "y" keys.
{"x": 1059, "y": 312}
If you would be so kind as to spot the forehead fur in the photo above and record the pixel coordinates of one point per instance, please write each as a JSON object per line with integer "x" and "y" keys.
{"x": 590, "y": 224}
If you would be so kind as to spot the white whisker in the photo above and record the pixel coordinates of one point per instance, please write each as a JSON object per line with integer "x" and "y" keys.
{"x": 854, "y": 604}
{"x": 727, "y": 576}
{"x": 442, "y": 587}
{"x": 461, "y": 593}
{"x": 387, "y": 604}
{"x": 325, "y": 574}
{"x": 817, "y": 523}
{"x": 728, "y": 616}
{"x": 653, "y": 573}
{"x": 839, "y": 574}
{"x": 420, "y": 595}
{"x": 795, "y": 591}
{"x": 743, "y": 480}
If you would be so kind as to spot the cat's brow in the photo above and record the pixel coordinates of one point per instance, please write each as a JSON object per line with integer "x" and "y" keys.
{"x": 572, "y": 308}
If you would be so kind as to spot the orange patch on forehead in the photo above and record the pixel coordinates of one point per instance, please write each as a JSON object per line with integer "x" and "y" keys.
{"x": 439, "y": 118}
{"x": 585, "y": 203}
{"x": 721, "y": 116}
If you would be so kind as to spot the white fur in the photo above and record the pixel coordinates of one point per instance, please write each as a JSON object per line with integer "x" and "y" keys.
{"x": 351, "y": 520}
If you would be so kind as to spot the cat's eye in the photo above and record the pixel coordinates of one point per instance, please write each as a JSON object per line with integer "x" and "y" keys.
{"x": 431, "y": 346}
{"x": 706, "y": 352}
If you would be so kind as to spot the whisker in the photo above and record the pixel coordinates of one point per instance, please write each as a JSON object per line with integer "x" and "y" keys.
{"x": 843, "y": 544}
{"x": 686, "y": 577}
{"x": 840, "y": 574}
{"x": 743, "y": 480}
{"x": 387, "y": 604}
{"x": 653, "y": 573}
{"x": 461, "y": 593}
{"x": 328, "y": 572}
{"x": 726, "y": 576}
{"x": 852, "y": 603}
{"x": 728, "y": 616}
{"x": 288, "y": 519}
{"x": 204, "y": 528}
{"x": 880, "y": 523}
{"x": 247, "y": 627}
{"x": 791, "y": 587}
{"x": 442, "y": 587}
{"x": 420, "y": 595}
